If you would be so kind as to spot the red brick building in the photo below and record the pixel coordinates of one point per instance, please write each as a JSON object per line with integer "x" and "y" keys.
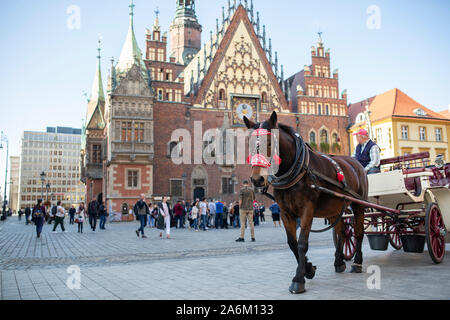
{"x": 209, "y": 86}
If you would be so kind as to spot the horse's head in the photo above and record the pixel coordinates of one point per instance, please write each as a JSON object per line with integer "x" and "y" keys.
{"x": 262, "y": 154}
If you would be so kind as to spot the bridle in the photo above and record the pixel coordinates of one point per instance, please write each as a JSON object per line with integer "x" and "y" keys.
{"x": 259, "y": 160}
{"x": 295, "y": 173}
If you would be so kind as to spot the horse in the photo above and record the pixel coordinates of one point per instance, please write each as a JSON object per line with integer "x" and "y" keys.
{"x": 301, "y": 173}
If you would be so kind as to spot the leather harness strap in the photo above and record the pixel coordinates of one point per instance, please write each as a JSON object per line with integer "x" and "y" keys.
{"x": 300, "y": 168}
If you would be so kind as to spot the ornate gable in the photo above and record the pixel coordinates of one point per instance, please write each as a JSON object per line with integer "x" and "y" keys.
{"x": 133, "y": 83}
{"x": 96, "y": 121}
{"x": 240, "y": 68}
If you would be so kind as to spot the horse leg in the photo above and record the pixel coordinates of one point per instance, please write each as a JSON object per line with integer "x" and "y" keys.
{"x": 298, "y": 283}
{"x": 339, "y": 263}
{"x": 291, "y": 232}
{"x": 359, "y": 235}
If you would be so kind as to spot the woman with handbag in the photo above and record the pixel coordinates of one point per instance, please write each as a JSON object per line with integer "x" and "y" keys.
{"x": 38, "y": 217}
{"x": 81, "y": 217}
{"x": 194, "y": 215}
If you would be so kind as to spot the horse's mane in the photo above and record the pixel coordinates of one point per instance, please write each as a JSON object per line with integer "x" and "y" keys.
{"x": 287, "y": 129}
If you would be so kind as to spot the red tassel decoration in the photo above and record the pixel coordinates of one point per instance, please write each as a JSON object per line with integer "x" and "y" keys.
{"x": 340, "y": 177}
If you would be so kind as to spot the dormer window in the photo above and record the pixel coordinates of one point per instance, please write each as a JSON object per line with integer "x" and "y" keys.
{"x": 360, "y": 118}
{"x": 420, "y": 112}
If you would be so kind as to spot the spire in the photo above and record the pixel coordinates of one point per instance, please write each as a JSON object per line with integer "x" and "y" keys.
{"x": 320, "y": 41}
{"x": 156, "y": 26}
{"x": 96, "y": 103}
{"x": 131, "y": 54}
{"x": 97, "y": 93}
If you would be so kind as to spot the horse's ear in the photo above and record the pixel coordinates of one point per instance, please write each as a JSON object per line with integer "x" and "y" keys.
{"x": 274, "y": 119}
{"x": 250, "y": 124}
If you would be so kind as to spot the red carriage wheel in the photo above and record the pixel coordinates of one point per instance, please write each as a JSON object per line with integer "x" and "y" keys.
{"x": 349, "y": 239}
{"x": 435, "y": 233}
{"x": 394, "y": 238}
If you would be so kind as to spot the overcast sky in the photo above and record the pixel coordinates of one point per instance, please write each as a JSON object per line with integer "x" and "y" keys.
{"x": 46, "y": 65}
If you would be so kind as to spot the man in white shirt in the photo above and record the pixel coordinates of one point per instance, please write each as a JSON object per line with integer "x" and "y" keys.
{"x": 203, "y": 213}
{"x": 212, "y": 213}
{"x": 367, "y": 152}
{"x": 59, "y": 219}
{"x": 164, "y": 208}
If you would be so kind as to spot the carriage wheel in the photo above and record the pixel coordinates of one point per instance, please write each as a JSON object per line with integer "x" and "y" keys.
{"x": 435, "y": 233}
{"x": 394, "y": 238}
{"x": 349, "y": 239}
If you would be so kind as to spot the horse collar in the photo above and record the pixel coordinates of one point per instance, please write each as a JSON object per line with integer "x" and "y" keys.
{"x": 298, "y": 168}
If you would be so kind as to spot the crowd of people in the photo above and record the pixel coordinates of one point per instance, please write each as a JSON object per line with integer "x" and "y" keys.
{"x": 202, "y": 214}
{"x": 41, "y": 214}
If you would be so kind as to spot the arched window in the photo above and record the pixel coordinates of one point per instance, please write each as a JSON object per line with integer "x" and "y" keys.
{"x": 335, "y": 138}
{"x": 264, "y": 97}
{"x": 319, "y": 109}
{"x": 222, "y": 94}
{"x": 312, "y": 137}
{"x": 222, "y": 99}
{"x": 173, "y": 149}
{"x": 327, "y": 109}
{"x": 324, "y": 136}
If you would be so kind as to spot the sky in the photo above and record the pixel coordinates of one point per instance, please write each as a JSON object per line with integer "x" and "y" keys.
{"x": 48, "y": 60}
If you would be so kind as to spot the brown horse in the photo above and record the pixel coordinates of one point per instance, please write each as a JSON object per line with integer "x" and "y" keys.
{"x": 301, "y": 199}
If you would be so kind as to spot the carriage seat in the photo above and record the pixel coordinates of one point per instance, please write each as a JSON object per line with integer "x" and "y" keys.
{"x": 413, "y": 181}
{"x": 438, "y": 179}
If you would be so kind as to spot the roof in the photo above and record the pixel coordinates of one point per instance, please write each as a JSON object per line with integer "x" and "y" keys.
{"x": 97, "y": 98}
{"x": 222, "y": 42}
{"x": 356, "y": 108}
{"x": 394, "y": 103}
{"x": 445, "y": 114}
{"x": 131, "y": 53}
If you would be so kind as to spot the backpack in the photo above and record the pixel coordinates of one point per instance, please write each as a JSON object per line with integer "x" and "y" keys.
{"x": 38, "y": 214}
{"x": 54, "y": 210}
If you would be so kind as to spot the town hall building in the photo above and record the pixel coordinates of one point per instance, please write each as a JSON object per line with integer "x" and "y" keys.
{"x": 178, "y": 83}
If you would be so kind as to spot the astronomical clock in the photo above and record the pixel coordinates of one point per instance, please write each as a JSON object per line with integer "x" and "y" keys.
{"x": 244, "y": 106}
{"x": 188, "y": 55}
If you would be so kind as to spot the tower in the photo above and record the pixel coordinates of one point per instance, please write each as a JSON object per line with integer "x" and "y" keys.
{"x": 93, "y": 137}
{"x": 185, "y": 32}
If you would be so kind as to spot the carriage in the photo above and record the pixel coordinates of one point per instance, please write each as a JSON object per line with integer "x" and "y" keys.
{"x": 409, "y": 205}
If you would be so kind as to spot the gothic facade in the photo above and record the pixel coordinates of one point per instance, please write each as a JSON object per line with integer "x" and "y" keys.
{"x": 234, "y": 73}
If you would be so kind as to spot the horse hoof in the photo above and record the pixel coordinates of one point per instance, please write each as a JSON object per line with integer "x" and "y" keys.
{"x": 340, "y": 269}
{"x": 297, "y": 288}
{"x": 356, "y": 269}
{"x": 310, "y": 271}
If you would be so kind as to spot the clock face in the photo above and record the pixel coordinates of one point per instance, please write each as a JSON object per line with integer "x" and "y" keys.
{"x": 188, "y": 55}
{"x": 244, "y": 109}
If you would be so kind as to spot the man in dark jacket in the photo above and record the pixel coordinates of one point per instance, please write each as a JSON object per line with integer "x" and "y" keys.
{"x": 93, "y": 213}
{"x": 103, "y": 215}
{"x": 27, "y": 215}
{"x": 178, "y": 211}
{"x": 141, "y": 211}
{"x": 72, "y": 212}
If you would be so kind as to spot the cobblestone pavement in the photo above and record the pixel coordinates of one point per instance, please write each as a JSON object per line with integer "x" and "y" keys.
{"x": 115, "y": 264}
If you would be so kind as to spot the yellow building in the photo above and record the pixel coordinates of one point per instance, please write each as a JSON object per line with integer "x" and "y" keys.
{"x": 401, "y": 126}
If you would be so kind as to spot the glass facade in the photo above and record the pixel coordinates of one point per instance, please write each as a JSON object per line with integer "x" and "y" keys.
{"x": 56, "y": 153}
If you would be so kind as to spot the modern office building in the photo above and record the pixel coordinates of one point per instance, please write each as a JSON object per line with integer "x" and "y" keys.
{"x": 56, "y": 153}
{"x": 14, "y": 183}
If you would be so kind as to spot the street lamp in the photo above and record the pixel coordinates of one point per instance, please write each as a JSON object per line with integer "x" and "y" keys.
{"x": 43, "y": 176}
{"x": 4, "y": 138}
{"x": 47, "y": 187}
